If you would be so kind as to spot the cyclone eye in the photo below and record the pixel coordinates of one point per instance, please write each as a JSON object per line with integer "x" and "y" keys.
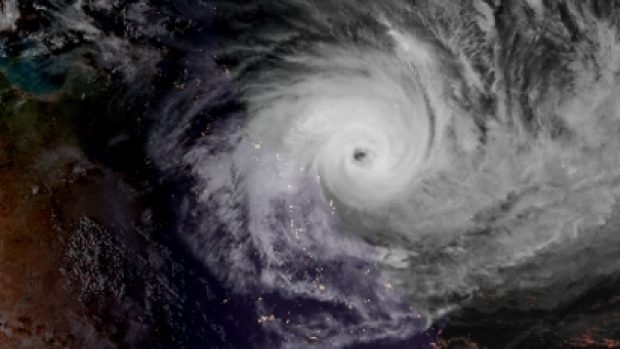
{"x": 359, "y": 155}
{"x": 362, "y": 157}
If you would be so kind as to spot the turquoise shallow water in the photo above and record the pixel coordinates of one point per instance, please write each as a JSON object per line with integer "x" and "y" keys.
{"x": 34, "y": 75}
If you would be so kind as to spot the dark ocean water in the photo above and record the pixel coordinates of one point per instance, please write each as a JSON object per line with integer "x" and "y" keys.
{"x": 34, "y": 75}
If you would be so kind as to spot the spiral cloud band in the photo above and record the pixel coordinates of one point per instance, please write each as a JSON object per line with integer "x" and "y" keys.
{"x": 363, "y": 124}
{"x": 364, "y": 189}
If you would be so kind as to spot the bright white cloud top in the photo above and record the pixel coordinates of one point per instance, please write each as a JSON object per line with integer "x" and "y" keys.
{"x": 374, "y": 180}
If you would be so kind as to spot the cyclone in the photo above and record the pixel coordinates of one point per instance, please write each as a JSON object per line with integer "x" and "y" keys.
{"x": 301, "y": 173}
{"x": 360, "y": 187}
{"x": 363, "y": 124}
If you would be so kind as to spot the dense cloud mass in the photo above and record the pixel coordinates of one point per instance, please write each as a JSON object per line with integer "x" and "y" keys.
{"x": 428, "y": 154}
{"x": 372, "y": 167}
